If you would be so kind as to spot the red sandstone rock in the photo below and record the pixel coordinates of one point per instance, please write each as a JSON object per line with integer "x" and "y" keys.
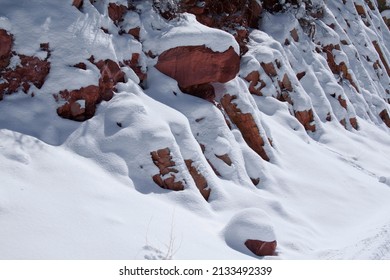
{"x": 163, "y": 160}
{"x": 134, "y": 64}
{"x": 294, "y": 35}
{"x": 116, "y": 12}
{"x": 6, "y": 41}
{"x": 269, "y": 69}
{"x": 385, "y": 117}
{"x": 195, "y": 65}
{"x": 306, "y": 119}
{"x": 78, "y": 3}
{"x": 225, "y": 158}
{"x": 135, "y": 32}
{"x": 111, "y": 74}
{"x": 246, "y": 124}
{"x": 204, "y": 91}
{"x": 200, "y": 180}
{"x": 72, "y": 110}
{"x": 261, "y": 248}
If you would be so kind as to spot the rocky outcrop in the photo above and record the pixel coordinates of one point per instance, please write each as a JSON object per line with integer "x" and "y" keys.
{"x": 199, "y": 179}
{"x": 246, "y": 124}
{"x": 166, "y": 178}
{"x": 81, "y": 104}
{"x": 116, "y": 12}
{"x": 197, "y": 65}
{"x": 6, "y": 41}
{"x": 261, "y": 248}
{"x": 134, "y": 63}
{"x": 29, "y": 70}
{"x": 306, "y": 118}
{"x": 233, "y": 16}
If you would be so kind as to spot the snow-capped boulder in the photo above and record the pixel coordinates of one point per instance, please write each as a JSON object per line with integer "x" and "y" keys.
{"x": 196, "y": 65}
{"x": 251, "y": 229}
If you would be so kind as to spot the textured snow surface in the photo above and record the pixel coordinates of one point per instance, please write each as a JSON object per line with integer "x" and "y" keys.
{"x": 73, "y": 190}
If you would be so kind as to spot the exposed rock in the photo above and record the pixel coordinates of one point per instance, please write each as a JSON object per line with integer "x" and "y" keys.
{"x": 6, "y": 41}
{"x": 163, "y": 160}
{"x": 31, "y": 71}
{"x": 233, "y": 16}
{"x": 225, "y": 158}
{"x": 261, "y": 248}
{"x": 255, "y": 181}
{"x": 78, "y": 3}
{"x": 360, "y": 10}
{"x": 195, "y": 65}
{"x": 381, "y": 56}
{"x": 254, "y": 78}
{"x": 200, "y": 180}
{"x": 134, "y": 63}
{"x": 135, "y": 32}
{"x": 301, "y": 75}
{"x": 111, "y": 74}
{"x": 385, "y": 117}
{"x": 285, "y": 84}
{"x": 116, "y": 12}
{"x": 354, "y": 123}
{"x": 343, "y": 102}
{"x": 72, "y": 109}
{"x": 246, "y": 124}
{"x": 294, "y": 35}
{"x": 204, "y": 91}
{"x": 306, "y": 119}
{"x": 269, "y": 69}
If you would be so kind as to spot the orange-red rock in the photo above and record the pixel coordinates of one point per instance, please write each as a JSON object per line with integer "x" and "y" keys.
{"x": 116, "y": 12}
{"x": 72, "y": 109}
{"x": 306, "y": 119}
{"x": 385, "y": 117}
{"x": 261, "y": 248}
{"x": 78, "y": 3}
{"x": 199, "y": 179}
{"x": 6, "y": 41}
{"x": 195, "y": 65}
{"x": 163, "y": 160}
{"x": 246, "y": 124}
{"x": 134, "y": 63}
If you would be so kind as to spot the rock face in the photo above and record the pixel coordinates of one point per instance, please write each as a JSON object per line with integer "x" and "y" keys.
{"x": 90, "y": 96}
{"x": 166, "y": 179}
{"x": 196, "y": 65}
{"x": 5, "y": 48}
{"x": 29, "y": 71}
{"x": 246, "y": 124}
{"x": 199, "y": 179}
{"x": 261, "y": 248}
{"x": 233, "y": 16}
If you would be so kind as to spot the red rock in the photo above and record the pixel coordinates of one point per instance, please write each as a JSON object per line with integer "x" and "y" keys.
{"x": 199, "y": 179}
{"x": 301, "y": 75}
{"x": 269, "y": 69}
{"x": 261, "y": 248}
{"x": 134, "y": 64}
{"x": 254, "y": 79}
{"x": 195, "y": 65}
{"x": 204, "y": 91}
{"x": 381, "y": 56}
{"x": 6, "y": 41}
{"x": 246, "y": 124}
{"x": 163, "y": 160}
{"x": 135, "y": 32}
{"x": 116, "y": 12}
{"x": 294, "y": 35}
{"x": 78, "y": 3}
{"x": 354, "y": 123}
{"x": 32, "y": 70}
{"x": 72, "y": 110}
{"x": 343, "y": 102}
{"x": 225, "y": 158}
{"x": 306, "y": 119}
{"x": 111, "y": 74}
{"x": 385, "y": 117}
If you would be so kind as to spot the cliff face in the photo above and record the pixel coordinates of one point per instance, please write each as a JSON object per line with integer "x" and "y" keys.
{"x": 191, "y": 97}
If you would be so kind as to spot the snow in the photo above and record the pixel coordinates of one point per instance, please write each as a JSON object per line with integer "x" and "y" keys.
{"x": 73, "y": 190}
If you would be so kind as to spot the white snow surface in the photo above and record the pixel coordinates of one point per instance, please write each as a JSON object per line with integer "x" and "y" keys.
{"x": 73, "y": 190}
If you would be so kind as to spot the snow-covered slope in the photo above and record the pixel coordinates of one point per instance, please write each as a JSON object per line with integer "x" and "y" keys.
{"x": 109, "y": 158}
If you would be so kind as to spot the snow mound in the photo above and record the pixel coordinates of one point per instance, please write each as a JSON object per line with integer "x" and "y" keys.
{"x": 250, "y": 223}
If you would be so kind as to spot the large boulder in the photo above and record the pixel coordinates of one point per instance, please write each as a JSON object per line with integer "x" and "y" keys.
{"x": 196, "y": 65}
